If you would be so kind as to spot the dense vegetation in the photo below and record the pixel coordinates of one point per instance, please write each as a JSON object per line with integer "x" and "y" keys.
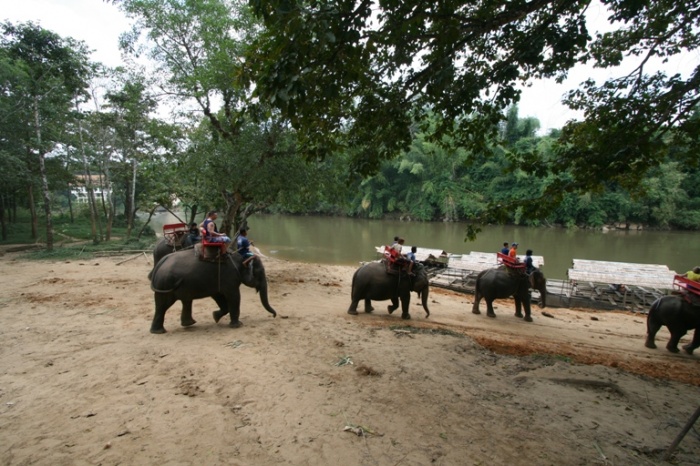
{"x": 428, "y": 182}
{"x": 266, "y": 117}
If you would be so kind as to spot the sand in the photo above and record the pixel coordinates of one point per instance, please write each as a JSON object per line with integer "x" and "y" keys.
{"x": 84, "y": 382}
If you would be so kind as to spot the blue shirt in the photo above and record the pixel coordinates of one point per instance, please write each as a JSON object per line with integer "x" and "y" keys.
{"x": 529, "y": 267}
{"x": 411, "y": 256}
{"x": 505, "y": 251}
{"x": 243, "y": 245}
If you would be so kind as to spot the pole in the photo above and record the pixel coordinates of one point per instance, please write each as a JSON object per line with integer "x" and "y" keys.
{"x": 680, "y": 436}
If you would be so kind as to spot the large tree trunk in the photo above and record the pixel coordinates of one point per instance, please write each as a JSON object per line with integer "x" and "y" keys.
{"x": 130, "y": 210}
{"x": 88, "y": 185}
{"x": 44, "y": 180}
{"x": 3, "y": 221}
{"x": 32, "y": 212}
{"x": 108, "y": 203}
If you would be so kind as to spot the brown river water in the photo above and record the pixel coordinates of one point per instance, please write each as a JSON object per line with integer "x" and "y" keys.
{"x": 347, "y": 241}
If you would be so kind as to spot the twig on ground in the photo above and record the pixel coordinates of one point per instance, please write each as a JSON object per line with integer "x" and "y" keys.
{"x": 130, "y": 258}
{"x": 343, "y": 361}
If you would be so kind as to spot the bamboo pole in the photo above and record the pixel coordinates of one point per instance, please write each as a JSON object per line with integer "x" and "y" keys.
{"x": 680, "y": 436}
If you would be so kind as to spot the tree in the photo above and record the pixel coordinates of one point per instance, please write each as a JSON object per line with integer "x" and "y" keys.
{"x": 357, "y": 74}
{"x": 131, "y": 105}
{"x": 246, "y": 157}
{"x": 52, "y": 71}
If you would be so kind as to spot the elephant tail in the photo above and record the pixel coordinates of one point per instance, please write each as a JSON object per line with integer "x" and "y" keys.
{"x": 154, "y": 289}
{"x": 652, "y": 316}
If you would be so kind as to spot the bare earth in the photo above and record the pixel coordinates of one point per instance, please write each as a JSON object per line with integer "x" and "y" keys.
{"x": 82, "y": 380}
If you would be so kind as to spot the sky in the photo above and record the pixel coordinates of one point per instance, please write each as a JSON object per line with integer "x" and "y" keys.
{"x": 99, "y": 25}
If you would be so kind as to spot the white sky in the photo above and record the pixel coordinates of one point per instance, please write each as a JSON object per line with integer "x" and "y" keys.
{"x": 99, "y": 25}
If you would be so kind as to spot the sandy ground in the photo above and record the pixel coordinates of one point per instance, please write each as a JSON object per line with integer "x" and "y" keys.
{"x": 82, "y": 380}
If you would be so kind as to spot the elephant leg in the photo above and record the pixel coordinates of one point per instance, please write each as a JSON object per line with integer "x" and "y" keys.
{"x": 406, "y": 304}
{"x": 693, "y": 344}
{"x": 368, "y": 305}
{"x": 394, "y": 304}
{"x": 518, "y": 307}
{"x": 163, "y": 303}
{"x": 475, "y": 306}
{"x": 353, "y": 307}
{"x": 223, "y": 307}
{"x": 676, "y": 335}
{"x": 186, "y": 319}
{"x": 234, "y": 307}
{"x": 652, "y": 328}
{"x": 526, "y": 305}
{"x": 489, "y": 308}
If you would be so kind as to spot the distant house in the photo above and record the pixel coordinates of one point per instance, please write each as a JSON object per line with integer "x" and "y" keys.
{"x": 79, "y": 192}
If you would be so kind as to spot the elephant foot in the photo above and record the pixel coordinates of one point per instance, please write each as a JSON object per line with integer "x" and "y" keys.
{"x": 406, "y": 316}
{"x": 369, "y": 309}
{"x": 188, "y": 322}
{"x": 519, "y": 315}
{"x": 673, "y": 349}
{"x": 476, "y": 311}
{"x": 491, "y": 314}
{"x": 158, "y": 331}
{"x": 650, "y": 344}
{"x": 352, "y": 312}
{"x": 688, "y": 349}
{"x": 236, "y": 324}
{"x": 528, "y": 319}
{"x": 391, "y": 309}
{"x": 218, "y": 314}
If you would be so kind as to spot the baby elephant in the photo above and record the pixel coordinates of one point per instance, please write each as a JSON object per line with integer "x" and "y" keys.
{"x": 679, "y": 316}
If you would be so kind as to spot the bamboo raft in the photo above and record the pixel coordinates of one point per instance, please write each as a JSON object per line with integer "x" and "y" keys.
{"x": 590, "y": 284}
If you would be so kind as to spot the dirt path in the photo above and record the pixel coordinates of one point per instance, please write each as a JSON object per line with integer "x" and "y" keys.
{"x": 84, "y": 382}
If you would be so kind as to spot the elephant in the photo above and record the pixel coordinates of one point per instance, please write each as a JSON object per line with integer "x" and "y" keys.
{"x": 183, "y": 276}
{"x": 373, "y": 282}
{"x": 501, "y": 283}
{"x": 679, "y": 315}
{"x": 164, "y": 247}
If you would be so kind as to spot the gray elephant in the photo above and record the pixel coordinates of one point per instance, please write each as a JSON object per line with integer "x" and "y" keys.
{"x": 679, "y": 315}
{"x": 502, "y": 282}
{"x": 163, "y": 247}
{"x": 373, "y": 282}
{"x": 183, "y": 276}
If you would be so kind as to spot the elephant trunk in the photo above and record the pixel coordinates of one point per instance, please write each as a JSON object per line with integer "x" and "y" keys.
{"x": 424, "y": 300}
{"x": 262, "y": 289}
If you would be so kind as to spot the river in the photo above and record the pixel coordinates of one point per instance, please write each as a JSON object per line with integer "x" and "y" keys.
{"x": 347, "y": 241}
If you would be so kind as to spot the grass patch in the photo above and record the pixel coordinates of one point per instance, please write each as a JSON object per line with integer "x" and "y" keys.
{"x": 88, "y": 250}
{"x": 427, "y": 331}
{"x": 73, "y": 238}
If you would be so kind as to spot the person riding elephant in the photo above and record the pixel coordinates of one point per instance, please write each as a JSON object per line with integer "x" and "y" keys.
{"x": 503, "y": 282}
{"x": 373, "y": 282}
{"x": 182, "y": 276}
{"x": 679, "y": 315}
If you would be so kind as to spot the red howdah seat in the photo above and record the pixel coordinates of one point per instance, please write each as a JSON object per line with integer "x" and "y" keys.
{"x": 510, "y": 262}
{"x": 683, "y": 283}
{"x": 174, "y": 232}
{"x": 212, "y": 244}
{"x": 391, "y": 255}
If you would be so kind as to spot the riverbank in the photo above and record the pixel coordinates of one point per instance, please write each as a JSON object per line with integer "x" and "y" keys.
{"x": 83, "y": 380}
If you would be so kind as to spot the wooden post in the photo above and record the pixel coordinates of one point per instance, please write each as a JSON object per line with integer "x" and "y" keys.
{"x": 680, "y": 436}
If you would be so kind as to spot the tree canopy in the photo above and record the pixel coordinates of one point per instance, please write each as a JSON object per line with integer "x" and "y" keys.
{"x": 361, "y": 75}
